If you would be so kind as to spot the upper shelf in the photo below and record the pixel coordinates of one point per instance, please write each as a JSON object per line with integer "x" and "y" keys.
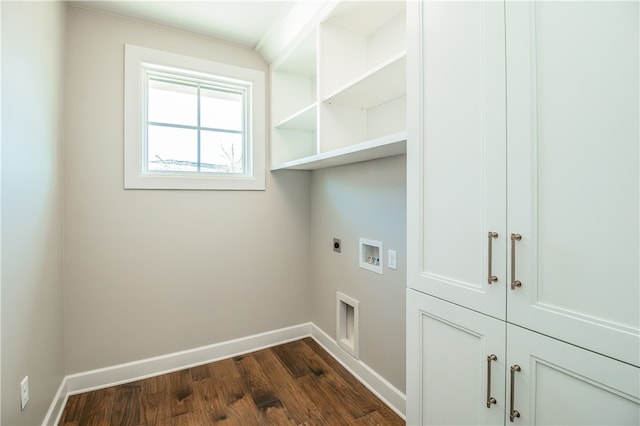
{"x": 305, "y": 120}
{"x": 375, "y": 87}
{"x": 386, "y": 146}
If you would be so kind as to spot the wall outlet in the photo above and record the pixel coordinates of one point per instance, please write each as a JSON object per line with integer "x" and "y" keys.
{"x": 337, "y": 245}
{"x": 24, "y": 392}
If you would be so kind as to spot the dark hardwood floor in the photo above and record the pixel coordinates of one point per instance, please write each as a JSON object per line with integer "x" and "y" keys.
{"x": 296, "y": 383}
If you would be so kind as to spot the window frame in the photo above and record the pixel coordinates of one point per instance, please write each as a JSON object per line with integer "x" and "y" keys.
{"x": 141, "y": 60}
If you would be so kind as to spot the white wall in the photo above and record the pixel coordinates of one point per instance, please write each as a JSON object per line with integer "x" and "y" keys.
{"x": 32, "y": 326}
{"x": 362, "y": 200}
{"x": 150, "y": 272}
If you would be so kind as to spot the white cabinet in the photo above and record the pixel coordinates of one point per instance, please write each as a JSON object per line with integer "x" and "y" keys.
{"x": 558, "y": 383}
{"x": 554, "y": 159}
{"x": 339, "y": 95}
{"x": 456, "y": 187}
{"x": 524, "y": 121}
{"x": 449, "y": 354}
{"x": 573, "y": 172}
{"x": 466, "y": 372}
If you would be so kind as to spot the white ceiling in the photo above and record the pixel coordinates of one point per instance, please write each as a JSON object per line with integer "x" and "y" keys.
{"x": 242, "y": 22}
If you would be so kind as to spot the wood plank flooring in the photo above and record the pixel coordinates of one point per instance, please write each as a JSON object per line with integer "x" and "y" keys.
{"x": 296, "y": 383}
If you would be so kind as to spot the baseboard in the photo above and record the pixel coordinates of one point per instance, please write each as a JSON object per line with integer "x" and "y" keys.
{"x": 57, "y": 406}
{"x": 137, "y": 370}
{"x": 377, "y": 384}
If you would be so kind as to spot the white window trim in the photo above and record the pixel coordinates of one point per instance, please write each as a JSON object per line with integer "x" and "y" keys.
{"x": 134, "y": 124}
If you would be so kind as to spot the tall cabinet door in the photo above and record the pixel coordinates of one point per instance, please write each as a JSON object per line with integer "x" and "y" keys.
{"x": 573, "y": 172}
{"x": 455, "y": 364}
{"x": 557, "y": 383}
{"x": 456, "y": 153}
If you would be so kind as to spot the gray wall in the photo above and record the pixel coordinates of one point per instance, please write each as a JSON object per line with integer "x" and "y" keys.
{"x": 32, "y": 333}
{"x": 150, "y": 272}
{"x": 362, "y": 200}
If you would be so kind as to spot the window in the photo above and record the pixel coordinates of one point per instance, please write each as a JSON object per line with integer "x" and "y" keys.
{"x": 194, "y": 127}
{"x": 192, "y": 123}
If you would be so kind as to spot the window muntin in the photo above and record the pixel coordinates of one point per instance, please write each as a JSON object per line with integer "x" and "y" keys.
{"x": 195, "y": 126}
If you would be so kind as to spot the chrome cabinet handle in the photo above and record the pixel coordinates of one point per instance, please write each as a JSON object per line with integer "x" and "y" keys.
{"x": 490, "y": 400}
{"x": 514, "y": 283}
{"x": 490, "y": 277}
{"x": 513, "y": 413}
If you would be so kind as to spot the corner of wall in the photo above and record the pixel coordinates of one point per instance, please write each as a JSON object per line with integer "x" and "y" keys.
{"x": 31, "y": 253}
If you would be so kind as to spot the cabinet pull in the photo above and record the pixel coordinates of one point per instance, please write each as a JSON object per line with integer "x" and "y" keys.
{"x": 490, "y": 277}
{"x": 514, "y": 283}
{"x": 513, "y": 413}
{"x": 490, "y": 400}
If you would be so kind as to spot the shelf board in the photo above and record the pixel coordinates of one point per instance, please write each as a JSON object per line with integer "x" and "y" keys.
{"x": 306, "y": 120}
{"x": 382, "y": 84}
{"x": 387, "y": 146}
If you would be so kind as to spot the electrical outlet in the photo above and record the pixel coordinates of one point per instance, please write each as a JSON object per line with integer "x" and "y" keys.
{"x": 337, "y": 245}
{"x": 24, "y": 392}
{"x": 391, "y": 259}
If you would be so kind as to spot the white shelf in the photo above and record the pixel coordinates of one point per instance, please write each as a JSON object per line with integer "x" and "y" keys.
{"x": 376, "y": 87}
{"x": 387, "y": 146}
{"x": 338, "y": 89}
{"x": 305, "y": 120}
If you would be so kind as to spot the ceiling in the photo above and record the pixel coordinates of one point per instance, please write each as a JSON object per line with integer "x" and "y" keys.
{"x": 242, "y": 22}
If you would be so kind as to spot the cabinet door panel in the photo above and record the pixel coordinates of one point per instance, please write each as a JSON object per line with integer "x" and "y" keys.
{"x": 573, "y": 171}
{"x": 447, "y": 349}
{"x": 560, "y": 384}
{"x": 456, "y": 152}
